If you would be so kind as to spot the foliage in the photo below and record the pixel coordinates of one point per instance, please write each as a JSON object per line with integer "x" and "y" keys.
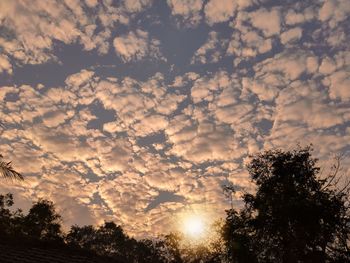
{"x": 7, "y": 171}
{"x": 294, "y": 216}
{"x": 8, "y": 218}
{"x": 172, "y": 243}
{"x": 110, "y": 240}
{"x": 210, "y": 249}
{"x": 42, "y": 222}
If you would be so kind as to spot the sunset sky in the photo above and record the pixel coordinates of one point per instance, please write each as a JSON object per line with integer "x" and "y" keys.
{"x": 138, "y": 111}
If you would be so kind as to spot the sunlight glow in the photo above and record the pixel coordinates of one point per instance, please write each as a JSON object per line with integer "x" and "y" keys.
{"x": 194, "y": 226}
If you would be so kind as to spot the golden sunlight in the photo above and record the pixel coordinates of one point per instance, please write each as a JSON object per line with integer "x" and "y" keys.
{"x": 194, "y": 226}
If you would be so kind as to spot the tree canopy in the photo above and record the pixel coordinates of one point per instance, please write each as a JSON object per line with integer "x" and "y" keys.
{"x": 294, "y": 215}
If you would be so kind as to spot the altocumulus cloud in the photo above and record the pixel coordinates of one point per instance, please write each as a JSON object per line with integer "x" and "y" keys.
{"x": 108, "y": 106}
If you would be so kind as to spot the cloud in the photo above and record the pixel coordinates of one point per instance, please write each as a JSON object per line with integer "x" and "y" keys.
{"x": 91, "y": 3}
{"x": 217, "y": 11}
{"x": 248, "y": 44}
{"x": 55, "y": 118}
{"x": 228, "y": 96}
{"x": 135, "y": 46}
{"x": 130, "y": 105}
{"x": 80, "y": 78}
{"x": 25, "y": 158}
{"x": 113, "y": 127}
{"x": 234, "y": 114}
{"x": 60, "y": 144}
{"x": 5, "y": 65}
{"x": 319, "y": 115}
{"x": 188, "y": 10}
{"x": 150, "y": 124}
{"x": 211, "y": 51}
{"x": 181, "y": 128}
{"x": 167, "y": 180}
{"x": 300, "y": 98}
{"x": 203, "y": 88}
{"x": 284, "y": 135}
{"x": 137, "y": 5}
{"x": 205, "y": 142}
{"x": 334, "y": 11}
{"x": 290, "y": 64}
{"x": 61, "y": 95}
{"x": 7, "y": 90}
{"x": 128, "y": 206}
{"x": 291, "y": 35}
{"x": 114, "y": 155}
{"x": 32, "y": 31}
{"x": 268, "y": 21}
{"x": 292, "y": 17}
{"x": 28, "y": 27}
{"x": 261, "y": 89}
{"x": 169, "y": 103}
{"x": 327, "y": 66}
{"x": 339, "y": 85}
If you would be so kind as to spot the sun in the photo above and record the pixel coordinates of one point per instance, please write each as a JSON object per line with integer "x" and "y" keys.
{"x": 193, "y": 226}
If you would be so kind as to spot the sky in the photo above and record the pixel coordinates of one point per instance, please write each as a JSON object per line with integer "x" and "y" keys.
{"x": 139, "y": 111}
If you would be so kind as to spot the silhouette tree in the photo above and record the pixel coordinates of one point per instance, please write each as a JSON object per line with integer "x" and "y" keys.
{"x": 107, "y": 240}
{"x": 294, "y": 216}
{"x": 110, "y": 240}
{"x": 148, "y": 250}
{"x": 172, "y": 244}
{"x": 177, "y": 248}
{"x": 7, "y": 171}
{"x": 8, "y": 217}
{"x": 82, "y": 237}
{"x": 42, "y": 222}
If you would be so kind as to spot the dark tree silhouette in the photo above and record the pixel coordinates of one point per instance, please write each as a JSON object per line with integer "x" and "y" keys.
{"x": 172, "y": 243}
{"x": 179, "y": 249}
{"x": 83, "y": 237}
{"x": 7, "y": 216}
{"x": 42, "y": 222}
{"x": 152, "y": 251}
{"x": 110, "y": 240}
{"x": 294, "y": 216}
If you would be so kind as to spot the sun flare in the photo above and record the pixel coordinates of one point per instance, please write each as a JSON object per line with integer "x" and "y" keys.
{"x": 194, "y": 226}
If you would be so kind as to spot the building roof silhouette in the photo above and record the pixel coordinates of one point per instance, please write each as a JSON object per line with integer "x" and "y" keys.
{"x": 10, "y": 253}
